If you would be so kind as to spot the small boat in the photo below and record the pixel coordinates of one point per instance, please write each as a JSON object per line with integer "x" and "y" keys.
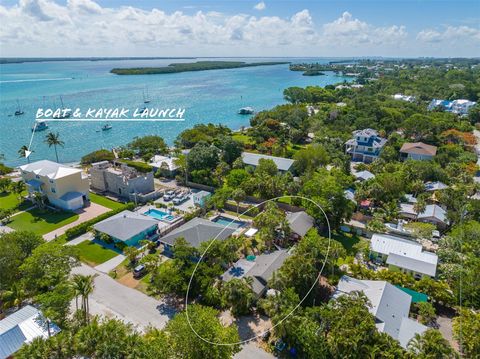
{"x": 65, "y": 113}
{"x": 40, "y": 126}
{"x": 106, "y": 127}
{"x": 19, "y": 111}
{"x": 146, "y": 99}
{"x": 246, "y": 111}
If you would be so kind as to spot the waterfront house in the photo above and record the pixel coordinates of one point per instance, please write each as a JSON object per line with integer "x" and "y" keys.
{"x": 365, "y": 146}
{"x": 299, "y": 223}
{"x": 418, "y": 151}
{"x": 388, "y": 304}
{"x": 260, "y": 269}
{"x": 22, "y": 327}
{"x": 65, "y": 187}
{"x": 252, "y": 159}
{"x": 403, "y": 255}
{"x": 165, "y": 164}
{"x": 128, "y": 227}
{"x": 123, "y": 181}
{"x": 195, "y": 232}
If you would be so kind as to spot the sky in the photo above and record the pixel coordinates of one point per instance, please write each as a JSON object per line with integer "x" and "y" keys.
{"x": 283, "y": 28}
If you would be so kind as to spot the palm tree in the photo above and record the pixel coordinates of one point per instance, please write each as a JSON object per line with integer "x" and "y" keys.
{"x": 83, "y": 285}
{"x": 23, "y": 151}
{"x": 18, "y": 188}
{"x": 53, "y": 139}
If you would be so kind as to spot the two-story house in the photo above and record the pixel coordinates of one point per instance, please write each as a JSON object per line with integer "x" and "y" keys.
{"x": 365, "y": 146}
{"x": 65, "y": 187}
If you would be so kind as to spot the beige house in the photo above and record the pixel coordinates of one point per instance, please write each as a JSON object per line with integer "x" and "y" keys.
{"x": 64, "y": 186}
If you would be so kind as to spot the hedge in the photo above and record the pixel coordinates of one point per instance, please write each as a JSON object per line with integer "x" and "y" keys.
{"x": 85, "y": 226}
{"x": 139, "y": 166}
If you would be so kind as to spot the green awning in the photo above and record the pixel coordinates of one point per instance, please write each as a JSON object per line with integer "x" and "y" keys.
{"x": 417, "y": 297}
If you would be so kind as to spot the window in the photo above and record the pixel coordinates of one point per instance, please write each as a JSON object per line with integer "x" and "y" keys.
{"x": 37, "y": 177}
{"x": 51, "y": 181}
{"x": 53, "y": 190}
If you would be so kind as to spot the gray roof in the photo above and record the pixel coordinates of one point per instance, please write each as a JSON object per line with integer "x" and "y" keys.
{"x": 20, "y": 327}
{"x": 434, "y": 211}
{"x": 283, "y": 164}
{"x": 260, "y": 270}
{"x": 413, "y": 264}
{"x": 197, "y": 231}
{"x": 408, "y": 329}
{"x": 125, "y": 225}
{"x": 389, "y": 305}
{"x": 364, "y": 175}
{"x": 71, "y": 195}
{"x": 300, "y": 222}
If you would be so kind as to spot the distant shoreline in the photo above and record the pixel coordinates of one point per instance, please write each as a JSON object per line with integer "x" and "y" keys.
{"x": 21, "y": 60}
{"x": 192, "y": 66}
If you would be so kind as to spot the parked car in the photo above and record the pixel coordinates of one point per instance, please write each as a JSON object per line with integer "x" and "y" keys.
{"x": 179, "y": 200}
{"x": 139, "y": 271}
{"x": 168, "y": 197}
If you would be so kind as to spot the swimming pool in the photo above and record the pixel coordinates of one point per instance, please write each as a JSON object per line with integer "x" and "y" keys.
{"x": 225, "y": 221}
{"x": 160, "y": 215}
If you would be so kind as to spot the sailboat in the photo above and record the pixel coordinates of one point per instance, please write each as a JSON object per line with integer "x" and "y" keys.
{"x": 19, "y": 111}
{"x": 146, "y": 99}
{"x": 64, "y": 114}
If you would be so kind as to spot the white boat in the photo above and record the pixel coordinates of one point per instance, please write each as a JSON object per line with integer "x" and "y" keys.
{"x": 246, "y": 111}
{"x": 106, "y": 127}
{"x": 40, "y": 126}
{"x": 19, "y": 111}
{"x": 64, "y": 113}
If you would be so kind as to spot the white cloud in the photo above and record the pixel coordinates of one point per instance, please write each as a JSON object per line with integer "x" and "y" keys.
{"x": 260, "y": 6}
{"x": 451, "y": 34}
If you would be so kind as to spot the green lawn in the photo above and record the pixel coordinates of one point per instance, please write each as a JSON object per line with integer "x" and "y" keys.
{"x": 10, "y": 200}
{"x": 245, "y": 139}
{"x": 104, "y": 201}
{"x": 94, "y": 254}
{"x": 348, "y": 240}
{"x": 41, "y": 222}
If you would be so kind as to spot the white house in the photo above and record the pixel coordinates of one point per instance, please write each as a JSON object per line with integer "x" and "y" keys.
{"x": 403, "y": 255}
{"x": 365, "y": 146}
{"x": 252, "y": 159}
{"x": 401, "y": 97}
{"x": 461, "y": 106}
{"x": 389, "y": 305}
{"x": 64, "y": 187}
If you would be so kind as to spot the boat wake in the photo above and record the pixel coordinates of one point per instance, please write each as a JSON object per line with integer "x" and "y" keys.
{"x": 36, "y": 80}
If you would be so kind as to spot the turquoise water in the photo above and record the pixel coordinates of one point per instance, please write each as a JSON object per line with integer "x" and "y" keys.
{"x": 224, "y": 221}
{"x": 208, "y": 96}
{"x": 155, "y": 213}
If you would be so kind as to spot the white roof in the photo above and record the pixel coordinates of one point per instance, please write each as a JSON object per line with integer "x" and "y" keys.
{"x": 50, "y": 169}
{"x": 406, "y": 254}
{"x": 364, "y": 175}
{"x": 389, "y": 305}
{"x": 283, "y": 164}
{"x": 22, "y": 327}
{"x": 157, "y": 161}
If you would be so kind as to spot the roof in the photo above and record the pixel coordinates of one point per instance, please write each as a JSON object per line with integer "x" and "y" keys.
{"x": 419, "y": 148}
{"x": 125, "y": 225}
{"x": 260, "y": 270}
{"x": 434, "y": 211}
{"x": 364, "y": 175}
{"x": 408, "y": 329}
{"x": 373, "y": 140}
{"x": 300, "y": 222}
{"x": 389, "y": 305}
{"x": 22, "y": 327}
{"x": 50, "y": 169}
{"x": 435, "y": 186}
{"x": 71, "y": 195}
{"x": 197, "y": 231}
{"x": 252, "y": 159}
{"x": 405, "y": 253}
{"x": 157, "y": 161}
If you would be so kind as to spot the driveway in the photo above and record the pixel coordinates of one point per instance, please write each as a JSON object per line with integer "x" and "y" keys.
{"x": 84, "y": 214}
{"x": 113, "y": 299}
{"x": 111, "y": 264}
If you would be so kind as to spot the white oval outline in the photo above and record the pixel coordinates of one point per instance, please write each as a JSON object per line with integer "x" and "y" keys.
{"x": 294, "y": 309}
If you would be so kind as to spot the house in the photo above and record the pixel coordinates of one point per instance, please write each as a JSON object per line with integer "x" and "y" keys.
{"x": 195, "y": 232}
{"x": 65, "y": 187}
{"x": 252, "y": 159}
{"x": 403, "y": 255}
{"x": 443, "y": 105}
{"x": 364, "y": 175}
{"x": 164, "y": 163}
{"x": 200, "y": 198}
{"x": 128, "y": 227}
{"x": 434, "y": 214}
{"x": 123, "y": 181}
{"x": 418, "y": 151}
{"x": 365, "y": 146}
{"x": 22, "y": 327}
{"x": 261, "y": 269}
{"x": 401, "y": 97}
{"x": 435, "y": 186}
{"x": 459, "y": 107}
{"x": 299, "y": 223}
{"x": 389, "y": 305}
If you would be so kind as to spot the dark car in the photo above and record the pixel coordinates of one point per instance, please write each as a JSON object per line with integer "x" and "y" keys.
{"x": 139, "y": 271}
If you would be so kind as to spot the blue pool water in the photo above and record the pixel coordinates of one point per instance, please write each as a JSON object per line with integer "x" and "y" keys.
{"x": 160, "y": 215}
{"x": 208, "y": 96}
{"x": 224, "y": 221}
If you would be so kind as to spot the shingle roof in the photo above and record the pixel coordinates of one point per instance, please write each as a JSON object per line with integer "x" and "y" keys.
{"x": 197, "y": 231}
{"x": 125, "y": 225}
{"x": 49, "y": 169}
{"x": 419, "y": 148}
{"x": 252, "y": 159}
{"x": 260, "y": 270}
{"x": 300, "y": 222}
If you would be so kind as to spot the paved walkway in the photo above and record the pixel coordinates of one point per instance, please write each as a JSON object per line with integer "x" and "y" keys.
{"x": 82, "y": 238}
{"x": 113, "y": 299}
{"x": 111, "y": 264}
{"x": 85, "y": 214}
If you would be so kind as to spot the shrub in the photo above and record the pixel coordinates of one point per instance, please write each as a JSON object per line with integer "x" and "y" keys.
{"x": 97, "y": 156}
{"x": 139, "y": 166}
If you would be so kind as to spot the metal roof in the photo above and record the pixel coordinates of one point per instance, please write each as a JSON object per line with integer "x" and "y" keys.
{"x": 412, "y": 264}
{"x": 125, "y": 225}
{"x": 252, "y": 159}
{"x": 50, "y": 169}
{"x": 300, "y": 222}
